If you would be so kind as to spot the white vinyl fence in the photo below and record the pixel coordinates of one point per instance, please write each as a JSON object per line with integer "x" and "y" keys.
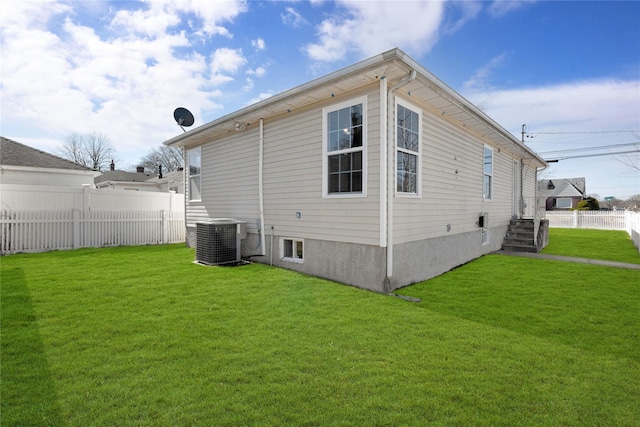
{"x": 600, "y": 220}
{"x": 40, "y": 231}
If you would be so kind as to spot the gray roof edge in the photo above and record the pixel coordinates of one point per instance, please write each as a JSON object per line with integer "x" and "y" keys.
{"x": 77, "y": 166}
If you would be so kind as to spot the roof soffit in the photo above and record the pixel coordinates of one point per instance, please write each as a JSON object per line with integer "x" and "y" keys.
{"x": 392, "y": 65}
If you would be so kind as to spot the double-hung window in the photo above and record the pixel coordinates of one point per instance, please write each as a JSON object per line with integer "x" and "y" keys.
{"x": 407, "y": 150}
{"x": 195, "y": 171}
{"x": 487, "y": 181}
{"x": 344, "y": 148}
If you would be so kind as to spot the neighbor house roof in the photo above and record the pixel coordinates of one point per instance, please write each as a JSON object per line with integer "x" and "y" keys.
{"x": 392, "y": 65}
{"x": 563, "y": 187}
{"x": 122, "y": 176}
{"x": 13, "y": 153}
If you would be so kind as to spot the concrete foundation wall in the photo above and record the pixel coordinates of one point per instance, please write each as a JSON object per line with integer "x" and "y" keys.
{"x": 364, "y": 266}
{"x": 358, "y": 265}
{"x": 421, "y": 260}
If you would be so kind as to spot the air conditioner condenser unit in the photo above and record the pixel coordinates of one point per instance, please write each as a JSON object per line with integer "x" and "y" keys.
{"x": 219, "y": 241}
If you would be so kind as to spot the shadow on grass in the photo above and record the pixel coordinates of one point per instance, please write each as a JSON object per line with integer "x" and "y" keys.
{"x": 28, "y": 392}
{"x": 587, "y": 307}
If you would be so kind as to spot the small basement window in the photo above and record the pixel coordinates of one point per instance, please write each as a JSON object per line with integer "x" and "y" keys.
{"x": 292, "y": 250}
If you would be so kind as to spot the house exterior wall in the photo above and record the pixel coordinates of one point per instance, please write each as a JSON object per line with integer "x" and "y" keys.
{"x": 431, "y": 233}
{"x": 292, "y": 179}
{"x": 452, "y": 173}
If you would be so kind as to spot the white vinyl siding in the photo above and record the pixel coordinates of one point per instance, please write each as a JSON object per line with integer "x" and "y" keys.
{"x": 294, "y": 173}
{"x": 229, "y": 180}
{"x": 293, "y": 178}
{"x": 452, "y": 180}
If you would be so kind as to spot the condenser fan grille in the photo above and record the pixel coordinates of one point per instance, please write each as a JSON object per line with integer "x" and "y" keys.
{"x": 218, "y": 242}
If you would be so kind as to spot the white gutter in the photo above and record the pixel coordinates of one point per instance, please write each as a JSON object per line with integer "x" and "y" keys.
{"x": 260, "y": 188}
{"x": 391, "y": 170}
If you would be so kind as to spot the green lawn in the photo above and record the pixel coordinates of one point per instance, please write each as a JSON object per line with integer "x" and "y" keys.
{"x": 142, "y": 336}
{"x": 594, "y": 244}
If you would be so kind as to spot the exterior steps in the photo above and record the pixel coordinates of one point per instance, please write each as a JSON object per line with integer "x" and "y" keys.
{"x": 520, "y": 237}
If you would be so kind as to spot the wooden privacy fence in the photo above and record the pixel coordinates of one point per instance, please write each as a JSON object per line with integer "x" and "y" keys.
{"x": 40, "y": 231}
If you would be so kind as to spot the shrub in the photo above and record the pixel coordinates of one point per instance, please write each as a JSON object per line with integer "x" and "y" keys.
{"x": 588, "y": 204}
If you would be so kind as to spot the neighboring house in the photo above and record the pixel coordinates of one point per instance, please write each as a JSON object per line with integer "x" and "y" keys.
{"x": 562, "y": 194}
{"x": 24, "y": 165}
{"x": 140, "y": 181}
{"x": 377, "y": 175}
{"x": 170, "y": 181}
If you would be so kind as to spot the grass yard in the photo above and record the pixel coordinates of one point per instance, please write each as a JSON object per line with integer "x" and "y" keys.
{"x": 594, "y": 244}
{"x": 142, "y": 336}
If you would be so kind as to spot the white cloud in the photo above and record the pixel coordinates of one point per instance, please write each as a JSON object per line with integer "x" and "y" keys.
{"x": 260, "y": 97}
{"x": 578, "y": 106}
{"x": 293, "y": 18}
{"x": 249, "y": 84}
{"x": 481, "y": 77}
{"x": 164, "y": 14}
{"x": 581, "y": 106}
{"x": 500, "y": 8}
{"x": 258, "y": 72}
{"x": 258, "y": 44}
{"x": 469, "y": 10}
{"x": 225, "y": 59}
{"x": 367, "y": 28}
{"x": 124, "y": 78}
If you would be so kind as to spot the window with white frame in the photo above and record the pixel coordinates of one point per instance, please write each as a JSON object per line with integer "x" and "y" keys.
{"x": 292, "y": 249}
{"x": 195, "y": 171}
{"x": 487, "y": 181}
{"x": 564, "y": 203}
{"x": 408, "y": 159}
{"x": 344, "y": 146}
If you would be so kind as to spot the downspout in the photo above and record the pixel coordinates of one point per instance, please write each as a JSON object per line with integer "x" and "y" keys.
{"x": 383, "y": 163}
{"x": 391, "y": 173}
{"x": 261, "y": 188}
{"x": 185, "y": 189}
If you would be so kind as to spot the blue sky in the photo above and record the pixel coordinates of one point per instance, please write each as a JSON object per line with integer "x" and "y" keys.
{"x": 568, "y": 70}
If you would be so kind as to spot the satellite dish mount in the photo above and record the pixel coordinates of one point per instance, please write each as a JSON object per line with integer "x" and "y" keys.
{"x": 183, "y": 117}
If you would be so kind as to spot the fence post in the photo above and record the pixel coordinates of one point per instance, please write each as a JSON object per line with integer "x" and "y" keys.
{"x": 575, "y": 219}
{"x": 76, "y": 228}
{"x": 165, "y": 226}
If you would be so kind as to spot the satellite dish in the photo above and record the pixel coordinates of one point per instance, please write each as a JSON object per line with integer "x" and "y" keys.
{"x": 183, "y": 117}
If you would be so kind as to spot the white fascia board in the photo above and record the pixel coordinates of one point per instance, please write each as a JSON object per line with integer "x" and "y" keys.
{"x": 269, "y": 106}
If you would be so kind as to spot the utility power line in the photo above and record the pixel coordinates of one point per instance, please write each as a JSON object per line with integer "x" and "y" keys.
{"x": 590, "y": 155}
{"x": 533, "y": 135}
{"x": 601, "y": 147}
